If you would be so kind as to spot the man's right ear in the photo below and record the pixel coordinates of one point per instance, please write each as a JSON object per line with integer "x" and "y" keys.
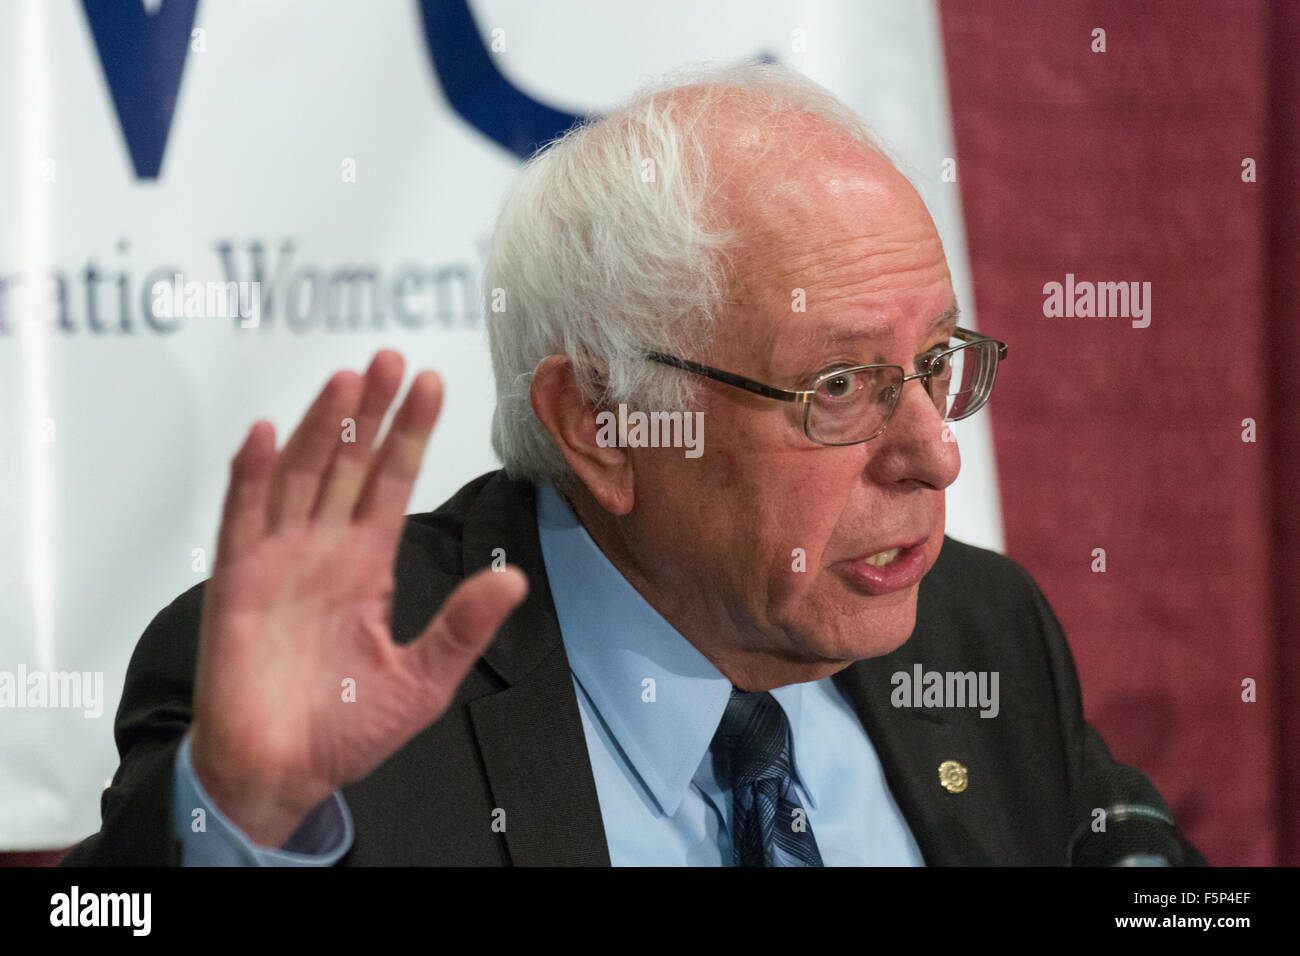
{"x": 606, "y": 470}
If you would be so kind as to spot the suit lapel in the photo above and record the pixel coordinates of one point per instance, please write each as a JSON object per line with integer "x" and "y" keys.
{"x": 906, "y": 744}
{"x": 530, "y": 734}
{"x": 538, "y": 770}
{"x": 911, "y": 744}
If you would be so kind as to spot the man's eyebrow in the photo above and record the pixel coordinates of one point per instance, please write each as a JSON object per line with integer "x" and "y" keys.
{"x": 950, "y": 316}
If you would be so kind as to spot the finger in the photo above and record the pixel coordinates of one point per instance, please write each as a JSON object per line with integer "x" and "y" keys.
{"x": 394, "y": 469}
{"x": 347, "y": 471}
{"x": 302, "y": 463}
{"x": 243, "y": 517}
{"x": 463, "y": 629}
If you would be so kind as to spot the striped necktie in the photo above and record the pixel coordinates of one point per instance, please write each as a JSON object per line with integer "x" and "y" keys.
{"x": 751, "y": 752}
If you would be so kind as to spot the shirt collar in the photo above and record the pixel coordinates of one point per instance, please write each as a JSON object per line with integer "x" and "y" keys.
{"x": 659, "y": 697}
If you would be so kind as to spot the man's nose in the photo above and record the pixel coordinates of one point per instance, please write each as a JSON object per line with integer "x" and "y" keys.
{"x": 917, "y": 444}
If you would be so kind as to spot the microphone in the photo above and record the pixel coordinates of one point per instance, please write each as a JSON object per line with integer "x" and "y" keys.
{"x": 1133, "y": 828}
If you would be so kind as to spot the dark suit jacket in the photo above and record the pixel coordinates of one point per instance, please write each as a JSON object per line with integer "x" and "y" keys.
{"x": 513, "y": 738}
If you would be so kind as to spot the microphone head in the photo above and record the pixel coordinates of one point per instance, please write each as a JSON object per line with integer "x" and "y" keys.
{"x": 1122, "y": 821}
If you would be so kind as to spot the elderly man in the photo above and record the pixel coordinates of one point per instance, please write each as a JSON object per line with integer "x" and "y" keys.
{"x": 700, "y": 652}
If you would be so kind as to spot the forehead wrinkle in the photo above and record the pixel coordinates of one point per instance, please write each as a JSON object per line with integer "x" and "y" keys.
{"x": 833, "y": 270}
{"x": 840, "y": 230}
{"x": 875, "y": 331}
{"x": 775, "y": 338}
{"x": 879, "y": 263}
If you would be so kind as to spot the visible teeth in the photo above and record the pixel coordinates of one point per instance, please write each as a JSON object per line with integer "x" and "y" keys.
{"x": 883, "y": 558}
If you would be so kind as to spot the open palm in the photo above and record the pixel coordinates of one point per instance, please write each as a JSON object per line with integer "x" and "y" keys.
{"x": 300, "y": 688}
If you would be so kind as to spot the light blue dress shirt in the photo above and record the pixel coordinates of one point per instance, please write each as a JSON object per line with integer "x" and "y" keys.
{"x": 650, "y": 704}
{"x": 209, "y": 838}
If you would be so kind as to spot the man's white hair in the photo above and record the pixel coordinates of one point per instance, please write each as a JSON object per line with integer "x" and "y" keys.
{"x": 608, "y": 247}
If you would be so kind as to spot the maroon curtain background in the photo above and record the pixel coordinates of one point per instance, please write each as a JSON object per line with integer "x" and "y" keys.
{"x": 1127, "y": 166}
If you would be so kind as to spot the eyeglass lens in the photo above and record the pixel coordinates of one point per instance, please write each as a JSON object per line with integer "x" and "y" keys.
{"x": 853, "y": 406}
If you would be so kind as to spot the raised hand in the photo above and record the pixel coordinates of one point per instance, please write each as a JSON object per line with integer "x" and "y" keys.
{"x": 298, "y": 604}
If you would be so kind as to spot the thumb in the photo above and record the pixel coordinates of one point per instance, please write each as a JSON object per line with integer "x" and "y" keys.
{"x": 464, "y": 626}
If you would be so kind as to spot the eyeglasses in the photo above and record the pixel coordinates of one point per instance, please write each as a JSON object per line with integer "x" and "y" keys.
{"x": 851, "y": 405}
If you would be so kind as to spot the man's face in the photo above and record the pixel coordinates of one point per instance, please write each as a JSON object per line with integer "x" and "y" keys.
{"x": 733, "y": 526}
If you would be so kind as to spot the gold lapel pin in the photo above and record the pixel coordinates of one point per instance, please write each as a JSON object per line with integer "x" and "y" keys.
{"x": 952, "y": 776}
